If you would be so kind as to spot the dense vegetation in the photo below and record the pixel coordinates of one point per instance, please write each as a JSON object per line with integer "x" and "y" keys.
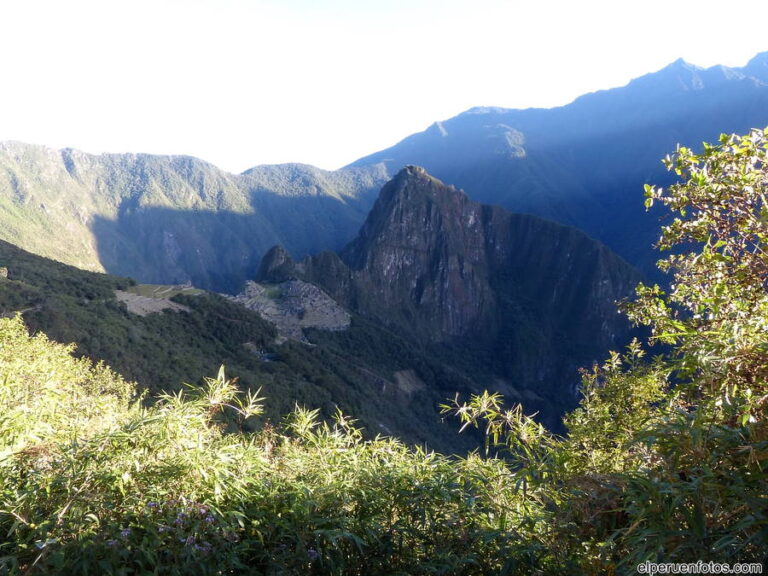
{"x": 160, "y": 351}
{"x": 664, "y": 459}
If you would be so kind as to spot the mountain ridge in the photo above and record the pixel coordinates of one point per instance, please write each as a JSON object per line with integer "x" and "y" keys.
{"x": 171, "y": 219}
{"x": 532, "y": 299}
{"x": 178, "y": 219}
{"x": 585, "y": 163}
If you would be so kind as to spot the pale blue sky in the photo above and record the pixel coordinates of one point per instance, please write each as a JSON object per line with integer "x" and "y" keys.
{"x": 246, "y": 82}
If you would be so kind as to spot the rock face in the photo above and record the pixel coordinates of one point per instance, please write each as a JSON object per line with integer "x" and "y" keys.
{"x": 584, "y": 164}
{"x": 537, "y": 297}
{"x": 423, "y": 250}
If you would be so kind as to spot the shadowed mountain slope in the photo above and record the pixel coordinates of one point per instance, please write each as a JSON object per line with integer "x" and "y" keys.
{"x": 584, "y": 164}
{"x": 524, "y": 299}
{"x": 391, "y": 385}
{"x": 179, "y": 219}
{"x": 172, "y": 218}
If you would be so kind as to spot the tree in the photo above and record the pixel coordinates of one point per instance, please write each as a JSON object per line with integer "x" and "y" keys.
{"x": 666, "y": 457}
{"x": 716, "y": 312}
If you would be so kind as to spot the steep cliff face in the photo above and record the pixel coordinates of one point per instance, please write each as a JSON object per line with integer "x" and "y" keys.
{"x": 535, "y": 299}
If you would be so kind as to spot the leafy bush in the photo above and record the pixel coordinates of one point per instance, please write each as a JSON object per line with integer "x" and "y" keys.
{"x": 94, "y": 481}
{"x": 665, "y": 460}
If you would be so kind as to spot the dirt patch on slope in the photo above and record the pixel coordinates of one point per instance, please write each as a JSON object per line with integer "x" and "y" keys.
{"x": 143, "y": 305}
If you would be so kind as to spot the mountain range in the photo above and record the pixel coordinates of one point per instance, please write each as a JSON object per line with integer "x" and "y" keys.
{"x": 585, "y": 164}
{"x": 173, "y": 219}
{"x": 178, "y": 219}
{"x": 488, "y": 251}
{"x": 436, "y": 294}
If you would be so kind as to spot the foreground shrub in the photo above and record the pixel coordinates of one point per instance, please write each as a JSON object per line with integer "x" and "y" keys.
{"x": 93, "y": 481}
{"x": 665, "y": 460}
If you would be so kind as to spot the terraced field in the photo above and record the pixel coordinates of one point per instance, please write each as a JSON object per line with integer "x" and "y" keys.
{"x": 144, "y": 299}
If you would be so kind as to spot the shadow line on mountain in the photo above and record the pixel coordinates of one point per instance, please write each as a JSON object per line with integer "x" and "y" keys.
{"x": 219, "y": 250}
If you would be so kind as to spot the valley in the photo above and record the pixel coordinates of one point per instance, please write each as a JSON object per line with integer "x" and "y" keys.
{"x": 299, "y": 371}
{"x": 455, "y": 308}
{"x": 178, "y": 219}
{"x": 513, "y": 299}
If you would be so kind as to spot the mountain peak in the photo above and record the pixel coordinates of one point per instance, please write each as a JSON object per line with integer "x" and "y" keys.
{"x": 413, "y": 173}
{"x": 411, "y": 193}
{"x": 681, "y": 64}
{"x": 757, "y": 67}
{"x": 417, "y": 178}
{"x": 759, "y": 59}
{"x": 276, "y": 266}
{"x": 675, "y": 77}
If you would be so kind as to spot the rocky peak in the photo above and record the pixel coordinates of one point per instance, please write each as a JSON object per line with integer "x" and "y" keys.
{"x": 409, "y": 206}
{"x": 276, "y": 266}
{"x": 421, "y": 251}
{"x": 679, "y": 76}
{"x": 534, "y": 297}
{"x": 438, "y": 265}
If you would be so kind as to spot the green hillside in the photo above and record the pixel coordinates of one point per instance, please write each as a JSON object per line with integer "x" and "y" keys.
{"x": 160, "y": 351}
{"x": 173, "y": 219}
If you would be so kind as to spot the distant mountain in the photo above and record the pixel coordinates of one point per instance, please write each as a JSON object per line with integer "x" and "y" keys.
{"x": 173, "y": 219}
{"x": 176, "y": 219}
{"x": 584, "y": 164}
{"x": 526, "y": 300}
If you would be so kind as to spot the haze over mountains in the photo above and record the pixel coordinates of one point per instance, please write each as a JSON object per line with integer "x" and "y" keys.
{"x": 585, "y": 164}
{"x": 173, "y": 219}
{"x": 180, "y": 219}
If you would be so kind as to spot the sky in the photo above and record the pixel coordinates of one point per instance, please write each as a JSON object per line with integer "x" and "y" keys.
{"x": 245, "y": 82}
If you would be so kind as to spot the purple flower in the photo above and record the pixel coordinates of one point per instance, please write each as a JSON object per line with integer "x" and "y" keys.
{"x": 210, "y": 519}
{"x": 153, "y": 504}
{"x": 125, "y": 533}
{"x": 190, "y": 540}
{"x": 313, "y": 554}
